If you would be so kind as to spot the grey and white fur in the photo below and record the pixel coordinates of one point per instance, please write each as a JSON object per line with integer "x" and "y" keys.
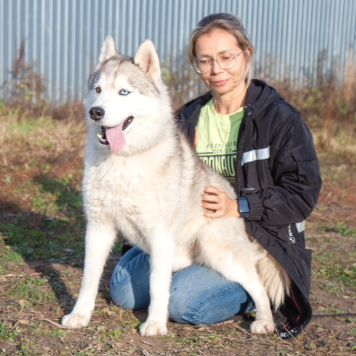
{"x": 151, "y": 190}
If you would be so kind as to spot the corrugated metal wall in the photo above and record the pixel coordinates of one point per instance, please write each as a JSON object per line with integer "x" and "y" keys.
{"x": 298, "y": 39}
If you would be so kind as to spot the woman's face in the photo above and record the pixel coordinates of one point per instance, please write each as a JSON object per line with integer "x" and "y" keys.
{"x": 221, "y": 81}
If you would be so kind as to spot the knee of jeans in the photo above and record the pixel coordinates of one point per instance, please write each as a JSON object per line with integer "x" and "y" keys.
{"x": 185, "y": 313}
{"x": 120, "y": 291}
{"x": 122, "y": 297}
{"x": 119, "y": 275}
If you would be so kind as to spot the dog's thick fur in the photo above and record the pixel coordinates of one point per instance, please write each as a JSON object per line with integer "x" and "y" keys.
{"x": 151, "y": 191}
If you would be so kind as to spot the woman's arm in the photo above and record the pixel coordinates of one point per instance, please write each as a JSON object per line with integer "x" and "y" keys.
{"x": 297, "y": 181}
{"x": 296, "y": 175}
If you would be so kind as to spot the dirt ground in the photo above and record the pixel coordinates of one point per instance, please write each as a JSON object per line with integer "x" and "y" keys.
{"x": 41, "y": 262}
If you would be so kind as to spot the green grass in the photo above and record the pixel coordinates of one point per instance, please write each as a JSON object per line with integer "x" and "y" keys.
{"x": 346, "y": 231}
{"x": 7, "y": 334}
{"x": 31, "y": 290}
{"x": 11, "y": 256}
{"x": 330, "y": 268}
{"x": 60, "y": 333}
{"x": 47, "y": 241}
{"x": 54, "y": 226}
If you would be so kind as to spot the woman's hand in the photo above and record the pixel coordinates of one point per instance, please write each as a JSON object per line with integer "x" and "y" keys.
{"x": 220, "y": 203}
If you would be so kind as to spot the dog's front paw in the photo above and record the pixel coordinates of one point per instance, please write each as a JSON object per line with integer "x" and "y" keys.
{"x": 262, "y": 327}
{"x": 152, "y": 328}
{"x": 75, "y": 321}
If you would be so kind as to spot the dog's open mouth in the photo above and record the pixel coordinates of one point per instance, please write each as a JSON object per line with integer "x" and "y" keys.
{"x": 103, "y": 138}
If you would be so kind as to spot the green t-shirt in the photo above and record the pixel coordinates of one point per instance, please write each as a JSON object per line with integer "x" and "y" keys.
{"x": 216, "y": 140}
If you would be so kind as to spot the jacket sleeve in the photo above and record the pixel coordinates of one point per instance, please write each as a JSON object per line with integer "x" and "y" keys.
{"x": 296, "y": 175}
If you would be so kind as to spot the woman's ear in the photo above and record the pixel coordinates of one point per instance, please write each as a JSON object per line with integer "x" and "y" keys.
{"x": 247, "y": 55}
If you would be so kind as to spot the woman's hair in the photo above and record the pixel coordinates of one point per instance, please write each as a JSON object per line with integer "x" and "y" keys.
{"x": 229, "y": 23}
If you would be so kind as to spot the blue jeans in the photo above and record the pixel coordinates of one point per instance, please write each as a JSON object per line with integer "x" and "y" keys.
{"x": 198, "y": 295}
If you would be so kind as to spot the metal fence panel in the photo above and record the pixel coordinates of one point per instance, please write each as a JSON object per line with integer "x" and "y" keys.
{"x": 302, "y": 40}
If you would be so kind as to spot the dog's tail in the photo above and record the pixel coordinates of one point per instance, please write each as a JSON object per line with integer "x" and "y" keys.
{"x": 275, "y": 279}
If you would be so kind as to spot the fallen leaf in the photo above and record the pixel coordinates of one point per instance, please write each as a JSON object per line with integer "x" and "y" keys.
{"x": 23, "y": 322}
{"x": 22, "y": 303}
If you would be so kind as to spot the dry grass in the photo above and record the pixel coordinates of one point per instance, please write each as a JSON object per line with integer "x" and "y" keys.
{"x": 42, "y": 138}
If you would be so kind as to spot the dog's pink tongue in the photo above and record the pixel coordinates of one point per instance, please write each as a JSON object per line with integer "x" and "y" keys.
{"x": 116, "y": 138}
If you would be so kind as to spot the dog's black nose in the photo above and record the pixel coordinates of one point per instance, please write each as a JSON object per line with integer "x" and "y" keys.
{"x": 96, "y": 113}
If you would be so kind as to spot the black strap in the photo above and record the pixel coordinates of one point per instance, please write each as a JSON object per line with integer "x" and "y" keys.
{"x": 332, "y": 315}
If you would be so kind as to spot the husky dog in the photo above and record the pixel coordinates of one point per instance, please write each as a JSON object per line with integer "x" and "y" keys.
{"x": 143, "y": 178}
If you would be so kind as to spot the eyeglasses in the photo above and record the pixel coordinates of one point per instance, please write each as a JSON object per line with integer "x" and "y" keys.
{"x": 226, "y": 60}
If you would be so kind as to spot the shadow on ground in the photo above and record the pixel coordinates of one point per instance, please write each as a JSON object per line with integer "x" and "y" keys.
{"x": 50, "y": 243}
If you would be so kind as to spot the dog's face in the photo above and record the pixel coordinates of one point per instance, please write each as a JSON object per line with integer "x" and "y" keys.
{"x": 124, "y": 103}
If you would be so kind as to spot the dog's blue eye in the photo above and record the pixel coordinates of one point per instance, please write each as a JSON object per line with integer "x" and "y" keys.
{"x": 124, "y": 92}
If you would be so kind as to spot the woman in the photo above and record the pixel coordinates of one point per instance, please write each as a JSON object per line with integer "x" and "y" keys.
{"x": 243, "y": 129}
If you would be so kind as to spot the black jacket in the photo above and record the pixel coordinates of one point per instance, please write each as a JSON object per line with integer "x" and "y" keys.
{"x": 277, "y": 170}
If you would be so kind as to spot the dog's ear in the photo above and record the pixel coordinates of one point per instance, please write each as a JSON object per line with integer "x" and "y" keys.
{"x": 147, "y": 59}
{"x": 107, "y": 51}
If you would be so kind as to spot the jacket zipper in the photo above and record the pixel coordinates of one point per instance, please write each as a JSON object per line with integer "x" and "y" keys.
{"x": 248, "y": 112}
